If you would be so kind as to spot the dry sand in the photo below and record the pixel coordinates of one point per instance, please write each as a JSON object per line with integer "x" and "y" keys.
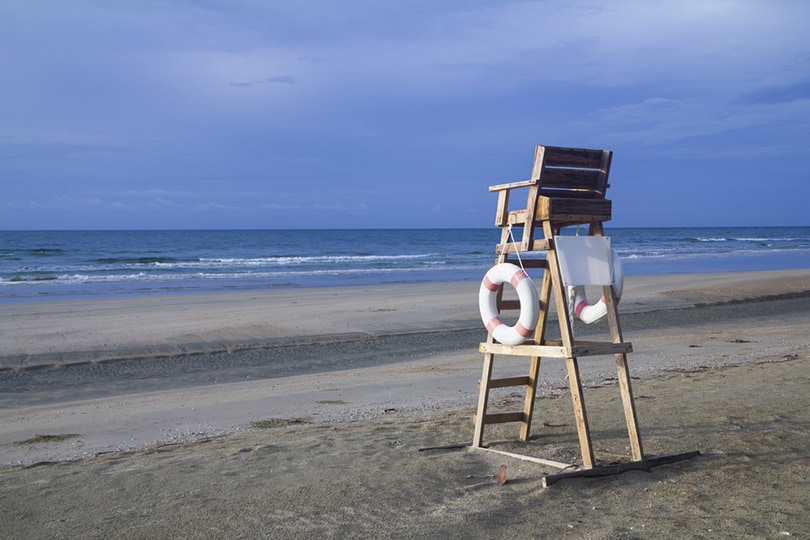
{"x": 721, "y": 366}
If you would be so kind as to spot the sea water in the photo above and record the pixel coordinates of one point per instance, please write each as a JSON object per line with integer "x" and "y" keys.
{"x": 70, "y": 264}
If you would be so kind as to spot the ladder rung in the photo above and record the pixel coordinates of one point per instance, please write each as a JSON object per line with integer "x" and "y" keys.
{"x": 504, "y": 417}
{"x": 512, "y": 247}
{"x": 508, "y": 305}
{"x": 508, "y": 381}
{"x": 595, "y": 348}
{"x": 533, "y": 263}
{"x": 580, "y": 349}
{"x": 523, "y": 350}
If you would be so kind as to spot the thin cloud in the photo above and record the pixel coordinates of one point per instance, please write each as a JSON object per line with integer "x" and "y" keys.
{"x": 61, "y": 137}
{"x": 770, "y": 95}
{"x": 284, "y": 79}
{"x": 318, "y": 208}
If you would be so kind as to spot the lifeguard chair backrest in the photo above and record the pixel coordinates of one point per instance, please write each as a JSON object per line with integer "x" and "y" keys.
{"x": 571, "y": 172}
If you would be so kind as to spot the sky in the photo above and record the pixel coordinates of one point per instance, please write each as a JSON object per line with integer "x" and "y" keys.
{"x": 257, "y": 114}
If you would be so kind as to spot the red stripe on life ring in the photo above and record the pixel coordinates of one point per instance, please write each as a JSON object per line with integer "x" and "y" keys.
{"x": 517, "y": 277}
{"x": 489, "y": 285}
{"x": 493, "y": 324}
{"x": 523, "y": 331}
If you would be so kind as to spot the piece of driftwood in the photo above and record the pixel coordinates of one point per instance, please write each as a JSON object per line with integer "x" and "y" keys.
{"x": 617, "y": 468}
{"x": 446, "y": 447}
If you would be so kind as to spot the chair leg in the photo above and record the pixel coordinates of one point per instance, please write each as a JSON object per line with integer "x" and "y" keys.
{"x": 483, "y": 398}
{"x": 623, "y": 373}
{"x": 534, "y": 369}
{"x": 579, "y": 411}
{"x": 629, "y": 407}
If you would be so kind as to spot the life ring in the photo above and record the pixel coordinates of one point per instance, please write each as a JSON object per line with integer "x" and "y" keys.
{"x": 590, "y": 313}
{"x": 529, "y": 303}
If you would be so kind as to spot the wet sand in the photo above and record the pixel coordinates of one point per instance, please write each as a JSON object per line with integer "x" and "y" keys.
{"x": 219, "y": 444}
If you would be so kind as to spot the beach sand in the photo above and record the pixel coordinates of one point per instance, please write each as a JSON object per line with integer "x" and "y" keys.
{"x": 218, "y": 432}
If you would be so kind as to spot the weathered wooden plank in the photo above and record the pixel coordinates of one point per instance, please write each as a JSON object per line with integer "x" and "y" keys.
{"x": 563, "y": 209}
{"x": 582, "y": 158}
{"x": 580, "y": 413}
{"x": 580, "y": 195}
{"x": 623, "y": 371}
{"x": 566, "y": 220}
{"x": 523, "y": 350}
{"x": 585, "y": 179}
{"x": 529, "y": 397}
{"x": 509, "y": 305}
{"x": 517, "y": 217}
{"x": 537, "y": 245}
{"x": 534, "y": 263}
{"x": 503, "y": 417}
{"x": 541, "y": 461}
{"x": 507, "y": 382}
{"x": 512, "y": 185}
{"x": 483, "y": 399}
{"x": 601, "y": 349}
{"x": 502, "y": 214}
{"x": 604, "y": 166}
{"x": 509, "y": 247}
{"x": 629, "y": 404}
{"x": 557, "y": 351}
{"x": 534, "y": 191}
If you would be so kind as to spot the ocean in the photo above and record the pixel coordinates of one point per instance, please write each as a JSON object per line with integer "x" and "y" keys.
{"x": 49, "y": 265}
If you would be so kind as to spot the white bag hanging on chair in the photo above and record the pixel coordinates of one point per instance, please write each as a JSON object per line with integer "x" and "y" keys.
{"x": 584, "y": 260}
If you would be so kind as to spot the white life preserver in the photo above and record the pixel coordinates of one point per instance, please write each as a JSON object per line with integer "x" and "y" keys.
{"x": 590, "y": 313}
{"x": 529, "y": 303}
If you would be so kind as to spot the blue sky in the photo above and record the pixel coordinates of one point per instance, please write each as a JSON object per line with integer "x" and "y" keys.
{"x": 364, "y": 113}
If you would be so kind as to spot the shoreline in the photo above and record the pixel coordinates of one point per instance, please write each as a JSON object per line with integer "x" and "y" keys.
{"x": 105, "y": 329}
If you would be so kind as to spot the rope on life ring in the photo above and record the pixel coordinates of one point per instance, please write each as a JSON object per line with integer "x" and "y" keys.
{"x": 591, "y": 313}
{"x": 529, "y": 303}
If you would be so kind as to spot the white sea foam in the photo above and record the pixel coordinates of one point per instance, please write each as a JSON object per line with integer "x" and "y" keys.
{"x": 102, "y": 262}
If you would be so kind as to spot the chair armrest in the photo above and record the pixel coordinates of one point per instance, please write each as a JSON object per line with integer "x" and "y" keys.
{"x": 513, "y": 185}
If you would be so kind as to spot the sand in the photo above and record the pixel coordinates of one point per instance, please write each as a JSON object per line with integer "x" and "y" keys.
{"x": 236, "y": 440}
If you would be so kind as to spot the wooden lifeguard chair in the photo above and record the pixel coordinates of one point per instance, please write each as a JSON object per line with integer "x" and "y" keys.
{"x": 567, "y": 187}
